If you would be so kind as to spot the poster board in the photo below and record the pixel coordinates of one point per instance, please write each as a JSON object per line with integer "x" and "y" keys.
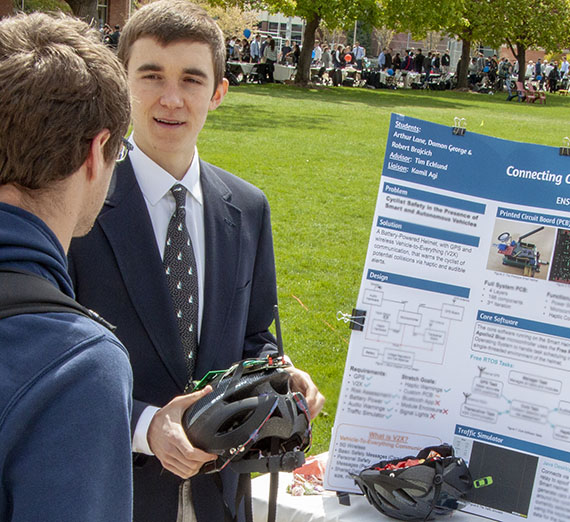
{"x": 465, "y": 311}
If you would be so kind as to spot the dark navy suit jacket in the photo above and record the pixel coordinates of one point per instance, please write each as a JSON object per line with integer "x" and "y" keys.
{"x": 118, "y": 272}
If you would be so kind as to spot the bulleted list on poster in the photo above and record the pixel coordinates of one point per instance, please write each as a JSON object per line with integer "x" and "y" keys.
{"x": 465, "y": 303}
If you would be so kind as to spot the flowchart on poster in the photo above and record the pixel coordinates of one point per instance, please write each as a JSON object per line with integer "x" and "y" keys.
{"x": 463, "y": 331}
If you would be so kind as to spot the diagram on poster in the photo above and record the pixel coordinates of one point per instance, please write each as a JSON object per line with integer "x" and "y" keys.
{"x": 462, "y": 331}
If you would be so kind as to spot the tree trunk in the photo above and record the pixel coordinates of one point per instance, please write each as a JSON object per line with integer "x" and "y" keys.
{"x": 519, "y": 52}
{"x": 521, "y": 58}
{"x": 304, "y": 66}
{"x": 84, "y": 9}
{"x": 465, "y": 59}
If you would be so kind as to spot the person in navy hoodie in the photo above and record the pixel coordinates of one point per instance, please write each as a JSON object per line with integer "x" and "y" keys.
{"x": 65, "y": 380}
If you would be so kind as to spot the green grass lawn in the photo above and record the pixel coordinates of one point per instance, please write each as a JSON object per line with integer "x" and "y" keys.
{"x": 317, "y": 154}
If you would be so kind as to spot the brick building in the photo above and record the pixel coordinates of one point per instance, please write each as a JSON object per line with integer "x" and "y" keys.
{"x": 112, "y": 12}
{"x": 6, "y": 7}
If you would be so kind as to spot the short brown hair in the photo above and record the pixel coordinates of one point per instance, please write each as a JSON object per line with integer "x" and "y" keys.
{"x": 169, "y": 21}
{"x": 59, "y": 87}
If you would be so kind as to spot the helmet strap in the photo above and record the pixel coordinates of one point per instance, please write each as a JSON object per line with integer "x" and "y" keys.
{"x": 273, "y": 464}
{"x": 437, "y": 484}
{"x": 244, "y": 483}
{"x": 272, "y": 504}
{"x": 273, "y": 485}
{"x": 244, "y": 493}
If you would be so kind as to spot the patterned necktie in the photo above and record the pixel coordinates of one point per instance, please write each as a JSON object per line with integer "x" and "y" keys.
{"x": 182, "y": 277}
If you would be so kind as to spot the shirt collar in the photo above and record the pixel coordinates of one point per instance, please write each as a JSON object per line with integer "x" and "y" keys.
{"x": 155, "y": 182}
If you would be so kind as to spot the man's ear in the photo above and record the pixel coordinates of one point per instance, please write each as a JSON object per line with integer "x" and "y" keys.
{"x": 96, "y": 157}
{"x": 219, "y": 94}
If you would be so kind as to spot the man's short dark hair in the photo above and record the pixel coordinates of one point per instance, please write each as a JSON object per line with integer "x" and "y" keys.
{"x": 169, "y": 21}
{"x": 59, "y": 87}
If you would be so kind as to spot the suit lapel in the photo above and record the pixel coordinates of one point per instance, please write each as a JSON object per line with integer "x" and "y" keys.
{"x": 222, "y": 230}
{"x": 128, "y": 228}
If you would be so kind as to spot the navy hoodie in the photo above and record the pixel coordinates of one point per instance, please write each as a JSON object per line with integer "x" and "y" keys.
{"x": 65, "y": 398}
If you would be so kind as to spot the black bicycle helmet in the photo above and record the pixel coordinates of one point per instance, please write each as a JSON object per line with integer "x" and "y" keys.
{"x": 417, "y": 488}
{"x": 251, "y": 419}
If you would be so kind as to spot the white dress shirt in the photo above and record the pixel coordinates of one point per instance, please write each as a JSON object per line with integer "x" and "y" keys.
{"x": 359, "y": 53}
{"x": 155, "y": 184}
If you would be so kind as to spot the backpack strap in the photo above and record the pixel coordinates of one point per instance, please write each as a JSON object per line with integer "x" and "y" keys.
{"x": 26, "y": 293}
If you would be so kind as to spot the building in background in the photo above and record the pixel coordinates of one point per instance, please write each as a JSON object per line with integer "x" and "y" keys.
{"x": 6, "y": 7}
{"x": 283, "y": 27}
{"x": 111, "y": 12}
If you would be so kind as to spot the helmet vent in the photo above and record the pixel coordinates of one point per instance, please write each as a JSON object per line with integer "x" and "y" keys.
{"x": 403, "y": 496}
{"x": 234, "y": 422}
{"x": 252, "y": 409}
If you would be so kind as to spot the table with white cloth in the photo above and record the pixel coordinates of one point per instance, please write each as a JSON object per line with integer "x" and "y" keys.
{"x": 320, "y": 508}
{"x": 245, "y": 67}
{"x": 241, "y": 70}
{"x": 411, "y": 77}
{"x": 391, "y": 80}
{"x": 283, "y": 72}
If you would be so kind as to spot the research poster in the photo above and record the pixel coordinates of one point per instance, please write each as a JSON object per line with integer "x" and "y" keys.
{"x": 464, "y": 308}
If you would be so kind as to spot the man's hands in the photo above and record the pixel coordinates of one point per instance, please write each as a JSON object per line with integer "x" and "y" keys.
{"x": 301, "y": 382}
{"x": 168, "y": 441}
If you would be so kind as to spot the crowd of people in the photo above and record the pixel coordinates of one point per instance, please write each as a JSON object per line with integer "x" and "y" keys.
{"x": 484, "y": 73}
{"x": 260, "y": 50}
{"x": 333, "y": 57}
{"x": 487, "y": 74}
{"x": 110, "y": 36}
{"x": 264, "y": 51}
{"x": 549, "y": 75}
{"x": 415, "y": 61}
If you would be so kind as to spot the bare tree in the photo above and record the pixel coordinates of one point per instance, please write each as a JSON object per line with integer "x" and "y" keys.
{"x": 85, "y": 9}
{"x": 432, "y": 40}
{"x": 383, "y": 36}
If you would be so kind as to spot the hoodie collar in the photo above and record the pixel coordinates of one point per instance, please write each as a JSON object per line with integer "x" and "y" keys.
{"x": 27, "y": 243}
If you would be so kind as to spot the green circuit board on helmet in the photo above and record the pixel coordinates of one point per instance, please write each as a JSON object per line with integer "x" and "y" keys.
{"x": 250, "y": 365}
{"x": 207, "y": 379}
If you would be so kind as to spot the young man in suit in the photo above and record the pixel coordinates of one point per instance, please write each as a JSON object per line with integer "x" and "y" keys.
{"x": 175, "y": 58}
{"x": 65, "y": 379}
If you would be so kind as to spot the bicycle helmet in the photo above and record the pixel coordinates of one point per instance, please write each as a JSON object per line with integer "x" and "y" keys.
{"x": 251, "y": 419}
{"x": 417, "y": 488}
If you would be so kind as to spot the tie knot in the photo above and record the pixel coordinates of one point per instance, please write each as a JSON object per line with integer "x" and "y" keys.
{"x": 179, "y": 193}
